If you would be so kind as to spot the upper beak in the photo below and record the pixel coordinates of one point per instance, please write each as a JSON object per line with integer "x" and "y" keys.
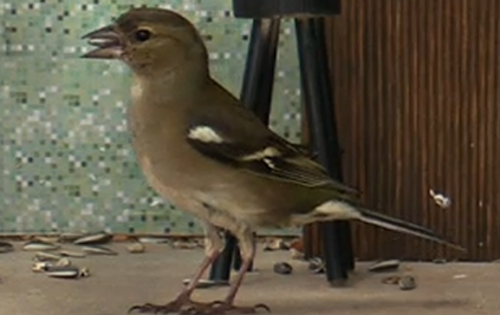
{"x": 107, "y": 41}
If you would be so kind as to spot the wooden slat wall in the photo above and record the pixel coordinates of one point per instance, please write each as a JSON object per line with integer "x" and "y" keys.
{"x": 417, "y": 89}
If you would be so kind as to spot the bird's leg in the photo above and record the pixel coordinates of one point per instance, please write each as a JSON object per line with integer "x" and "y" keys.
{"x": 213, "y": 246}
{"x": 247, "y": 248}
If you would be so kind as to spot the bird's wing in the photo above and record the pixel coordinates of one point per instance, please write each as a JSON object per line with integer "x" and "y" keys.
{"x": 234, "y": 136}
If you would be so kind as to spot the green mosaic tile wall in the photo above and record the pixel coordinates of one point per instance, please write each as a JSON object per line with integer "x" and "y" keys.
{"x": 65, "y": 158}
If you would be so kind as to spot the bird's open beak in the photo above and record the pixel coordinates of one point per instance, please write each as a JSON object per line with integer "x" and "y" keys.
{"x": 107, "y": 41}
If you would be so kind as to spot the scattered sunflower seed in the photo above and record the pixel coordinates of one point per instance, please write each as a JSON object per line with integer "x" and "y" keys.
{"x": 40, "y": 246}
{"x": 44, "y": 256}
{"x": 84, "y": 272}
{"x": 6, "y": 247}
{"x": 391, "y": 280}
{"x": 70, "y": 272}
{"x": 98, "y": 250}
{"x": 440, "y": 199}
{"x": 94, "y": 238}
{"x": 385, "y": 266}
{"x": 188, "y": 244}
{"x": 67, "y": 253}
{"x": 296, "y": 254}
{"x": 282, "y": 268}
{"x": 41, "y": 266}
{"x": 136, "y": 248}
{"x": 407, "y": 283}
{"x": 153, "y": 239}
{"x": 63, "y": 262}
{"x": 275, "y": 244}
{"x": 316, "y": 265}
{"x": 47, "y": 239}
{"x": 69, "y": 237}
{"x": 298, "y": 244}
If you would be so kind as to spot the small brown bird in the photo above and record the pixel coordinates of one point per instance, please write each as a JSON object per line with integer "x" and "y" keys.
{"x": 202, "y": 150}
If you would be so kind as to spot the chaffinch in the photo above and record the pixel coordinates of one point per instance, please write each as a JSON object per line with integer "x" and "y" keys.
{"x": 203, "y": 151}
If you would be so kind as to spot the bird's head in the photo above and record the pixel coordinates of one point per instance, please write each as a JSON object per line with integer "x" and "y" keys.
{"x": 149, "y": 39}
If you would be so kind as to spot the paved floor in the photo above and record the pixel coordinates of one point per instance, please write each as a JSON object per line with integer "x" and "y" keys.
{"x": 155, "y": 276}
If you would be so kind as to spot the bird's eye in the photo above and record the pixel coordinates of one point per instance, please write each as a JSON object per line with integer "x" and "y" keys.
{"x": 142, "y": 35}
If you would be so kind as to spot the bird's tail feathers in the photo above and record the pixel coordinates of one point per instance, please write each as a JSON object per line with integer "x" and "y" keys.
{"x": 402, "y": 226}
{"x": 341, "y": 210}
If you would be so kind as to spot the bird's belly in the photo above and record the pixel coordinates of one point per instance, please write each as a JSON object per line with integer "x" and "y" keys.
{"x": 251, "y": 199}
{"x": 222, "y": 193}
{"x": 166, "y": 185}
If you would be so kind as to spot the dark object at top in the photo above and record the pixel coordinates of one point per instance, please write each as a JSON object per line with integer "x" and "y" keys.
{"x": 279, "y": 8}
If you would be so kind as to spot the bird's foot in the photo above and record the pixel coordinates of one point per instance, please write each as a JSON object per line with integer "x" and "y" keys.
{"x": 222, "y": 308}
{"x": 179, "y": 306}
{"x": 171, "y": 307}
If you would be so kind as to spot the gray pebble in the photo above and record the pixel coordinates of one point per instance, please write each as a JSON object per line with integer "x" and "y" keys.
{"x": 407, "y": 283}
{"x": 282, "y": 268}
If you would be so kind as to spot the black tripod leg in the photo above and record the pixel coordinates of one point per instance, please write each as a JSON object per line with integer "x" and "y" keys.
{"x": 256, "y": 94}
{"x": 321, "y": 120}
{"x": 221, "y": 268}
{"x": 258, "y": 79}
{"x": 343, "y": 228}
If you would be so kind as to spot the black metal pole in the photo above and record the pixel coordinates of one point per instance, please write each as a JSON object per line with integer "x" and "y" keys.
{"x": 221, "y": 268}
{"x": 256, "y": 94}
{"x": 321, "y": 121}
{"x": 342, "y": 228}
{"x": 258, "y": 79}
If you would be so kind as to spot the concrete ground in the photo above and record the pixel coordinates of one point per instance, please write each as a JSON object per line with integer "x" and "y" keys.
{"x": 117, "y": 282}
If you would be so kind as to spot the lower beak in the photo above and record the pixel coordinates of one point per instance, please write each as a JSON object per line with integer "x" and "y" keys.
{"x": 107, "y": 41}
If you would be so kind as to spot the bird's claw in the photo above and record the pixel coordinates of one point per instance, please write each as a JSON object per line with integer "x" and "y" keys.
{"x": 155, "y": 309}
{"x": 178, "y": 306}
{"x": 262, "y": 306}
{"x": 222, "y": 308}
{"x": 199, "y": 308}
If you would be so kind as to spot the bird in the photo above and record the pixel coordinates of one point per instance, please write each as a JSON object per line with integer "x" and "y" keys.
{"x": 202, "y": 150}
